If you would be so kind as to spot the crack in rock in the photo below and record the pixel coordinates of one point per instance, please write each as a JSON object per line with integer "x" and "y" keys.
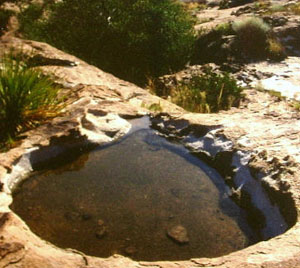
{"x": 85, "y": 259}
{"x": 9, "y": 248}
{"x": 149, "y": 265}
{"x": 9, "y": 253}
{"x": 207, "y": 263}
{"x": 13, "y": 262}
{"x": 3, "y": 218}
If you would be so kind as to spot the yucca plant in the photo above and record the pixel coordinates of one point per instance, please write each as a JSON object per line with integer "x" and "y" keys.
{"x": 27, "y": 97}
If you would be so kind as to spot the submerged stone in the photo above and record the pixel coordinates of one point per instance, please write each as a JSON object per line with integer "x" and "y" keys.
{"x": 130, "y": 250}
{"x": 179, "y": 234}
{"x": 101, "y": 232}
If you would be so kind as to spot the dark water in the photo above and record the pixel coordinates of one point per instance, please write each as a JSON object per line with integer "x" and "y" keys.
{"x": 124, "y": 197}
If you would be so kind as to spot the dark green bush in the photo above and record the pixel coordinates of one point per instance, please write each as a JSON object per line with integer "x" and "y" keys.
{"x": 207, "y": 93}
{"x": 210, "y": 45}
{"x": 26, "y": 97}
{"x": 133, "y": 39}
{"x": 31, "y": 22}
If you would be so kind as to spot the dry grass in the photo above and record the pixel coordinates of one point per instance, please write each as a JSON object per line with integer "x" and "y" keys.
{"x": 275, "y": 49}
{"x": 294, "y": 8}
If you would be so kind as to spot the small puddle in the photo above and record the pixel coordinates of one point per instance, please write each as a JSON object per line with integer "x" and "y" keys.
{"x": 123, "y": 199}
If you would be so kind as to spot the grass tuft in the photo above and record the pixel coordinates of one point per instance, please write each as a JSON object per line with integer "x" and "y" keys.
{"x": 296, "y": 105}
{"x": 275, "y": 49}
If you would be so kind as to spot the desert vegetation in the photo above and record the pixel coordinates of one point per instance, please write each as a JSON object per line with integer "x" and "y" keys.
{"x": 133, "y": 40}
{"x": 27, "y": 97}
{"x": 267, "y": 8}
{"x": 139, "y": 41}
{"x": 136, "y": 41}
{"x": 213, "y": 43}
{"x": 252, "y": 34}
{"x": 206, "y": 93}
{"x": 243, "y": 40}
{"x": 255, "y": 39}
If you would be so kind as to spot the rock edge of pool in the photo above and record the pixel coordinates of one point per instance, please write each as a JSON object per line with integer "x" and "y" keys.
{"x": 147, "y": 198}
{"x": 98, "y": 115}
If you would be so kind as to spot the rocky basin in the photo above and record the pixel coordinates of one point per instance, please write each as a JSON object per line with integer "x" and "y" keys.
{"x": 260, "y": 138}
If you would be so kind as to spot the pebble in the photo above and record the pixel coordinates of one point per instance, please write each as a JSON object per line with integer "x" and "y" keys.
{"x": 130, "y": 250}
{"x": 179, "y": 234}
{"x": 101, "y": 232}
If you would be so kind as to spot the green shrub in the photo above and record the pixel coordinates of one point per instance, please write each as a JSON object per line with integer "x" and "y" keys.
{"x": 133, "y": 39}
{"x": 208, "y": 93}
{"x": 26, "y": 97}
{"x": 31, "y": 22}
{"x": 224, "y": 4}
{"x": 224, "y": 28}
{"x": 252, "y": 34}
{"x": 210, "y": 45}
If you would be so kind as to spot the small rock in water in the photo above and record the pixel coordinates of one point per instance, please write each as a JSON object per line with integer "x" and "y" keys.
{"x": 130, "y": 250}
{"x": 72, "y": 215}
{"x": 171, "y": 217}
{"x": 100, "y": 222}
{"x": 101, "y": 232}
{"x": 179, "y": 234}
{"x": 86, "y": 216}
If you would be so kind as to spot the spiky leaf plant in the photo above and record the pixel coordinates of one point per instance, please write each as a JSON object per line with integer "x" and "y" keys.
{"x": 27, "y": 97}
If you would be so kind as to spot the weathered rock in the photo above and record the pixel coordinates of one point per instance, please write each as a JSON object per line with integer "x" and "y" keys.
{"x": 100, "y": 129}
{"x": 179, "y": 234}
{"x": 275, "y": 20}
